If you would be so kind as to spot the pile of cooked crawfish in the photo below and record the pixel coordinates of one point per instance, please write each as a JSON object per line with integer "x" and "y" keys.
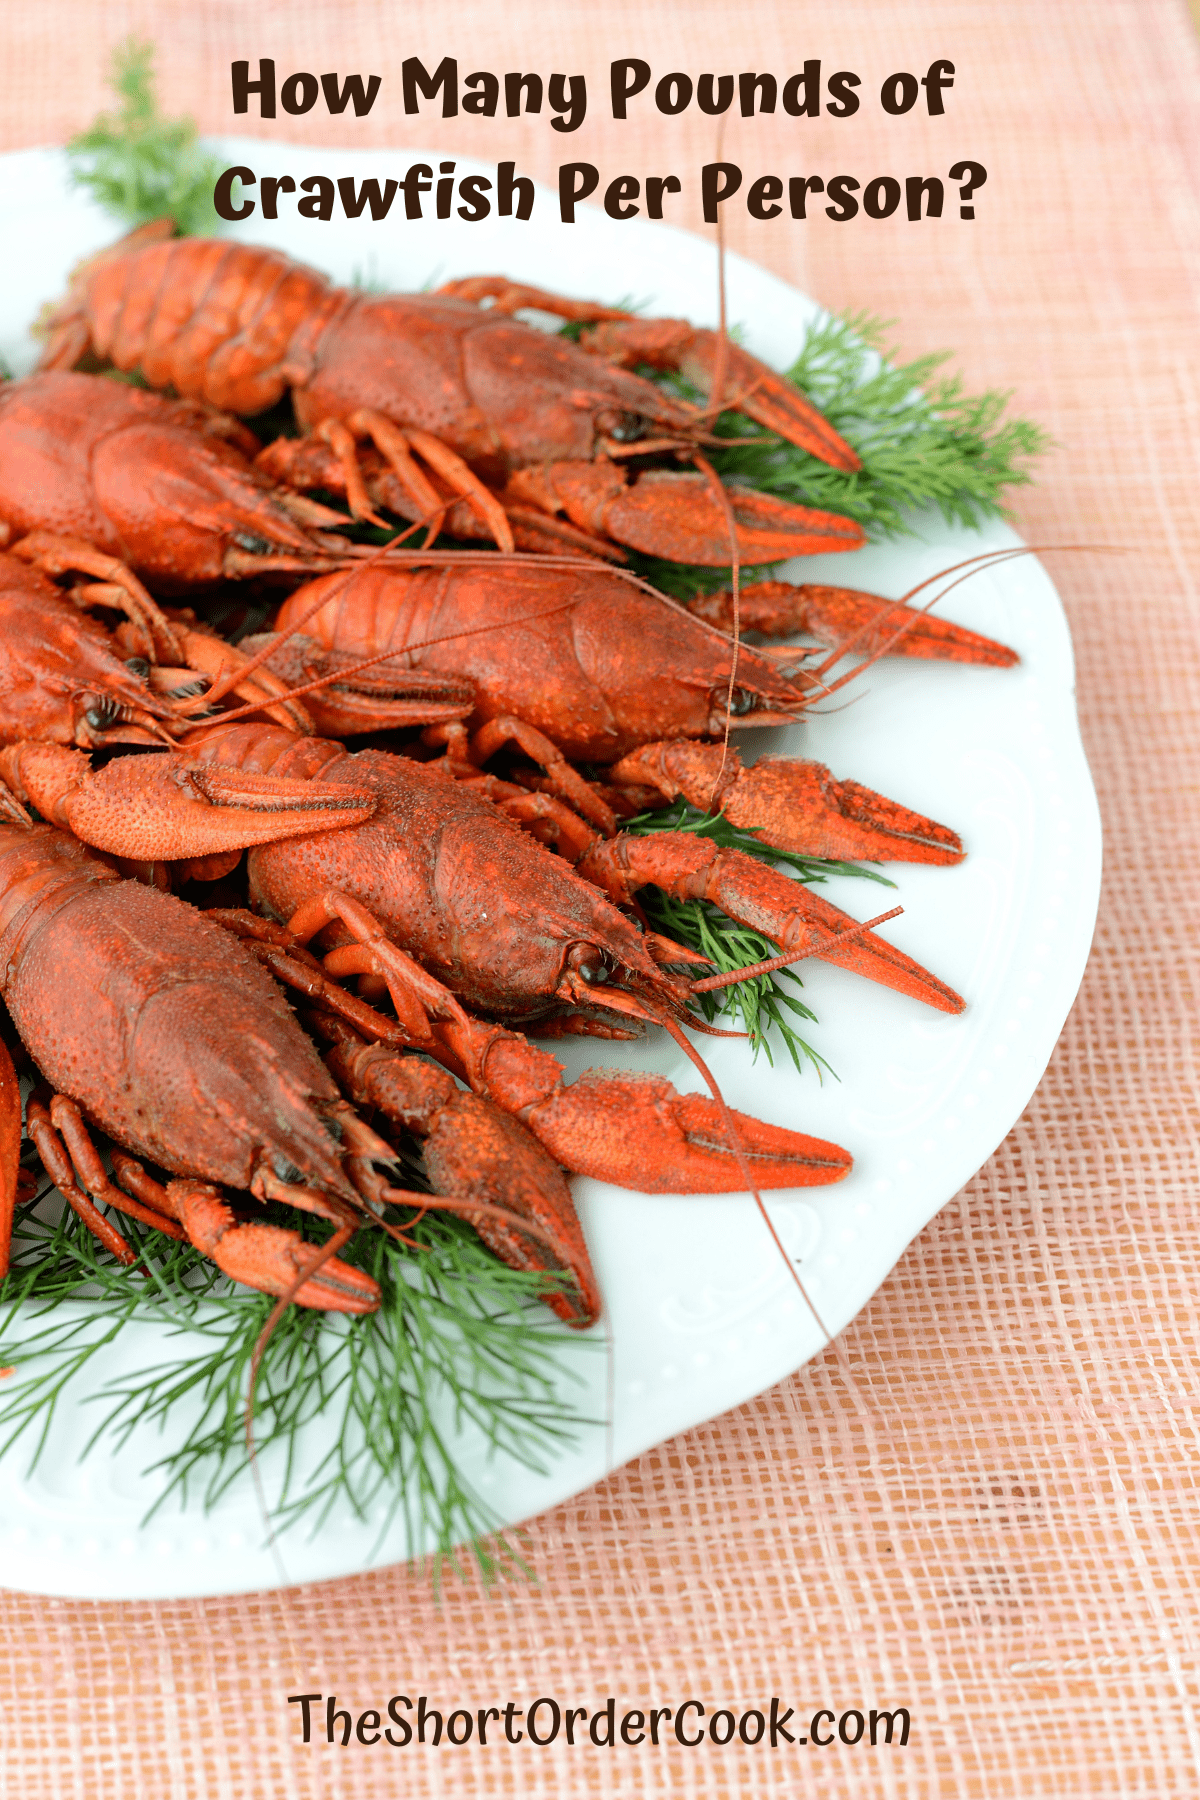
{"x": 471, "y": 882}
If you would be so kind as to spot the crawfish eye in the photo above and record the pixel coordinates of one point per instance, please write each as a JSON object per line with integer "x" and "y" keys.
{"x": 137, "y": 665}
{"x": 286, "y": 1170}
{"x": 101, "y": 711}
{"x": 257, "y": 546}
{"x": 741, "y": 701}
{"x": 625, "y": 427}
{"x": 590, "y": 964}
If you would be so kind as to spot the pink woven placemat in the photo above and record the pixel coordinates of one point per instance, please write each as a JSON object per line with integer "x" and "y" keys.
{"x": 993, "y": 1521}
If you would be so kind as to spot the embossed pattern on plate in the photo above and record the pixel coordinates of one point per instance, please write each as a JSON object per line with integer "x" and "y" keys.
{"x": 701, "y": 1311}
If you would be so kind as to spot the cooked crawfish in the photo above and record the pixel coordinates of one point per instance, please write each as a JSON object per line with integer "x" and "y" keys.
{"x": 154, "y": 1024}
{"x": 63, "y": 677}
{"x": 550, "y": 428}
{"x": 155, "y": 485}
{"x": 508, "y": 927}
{"x": 448, "y": 902}
{"x": 582, "y": 664}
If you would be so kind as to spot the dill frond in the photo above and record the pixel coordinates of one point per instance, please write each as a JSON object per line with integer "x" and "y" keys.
{"x": 139, "y": 165}
{"x": 457, "y": 1345}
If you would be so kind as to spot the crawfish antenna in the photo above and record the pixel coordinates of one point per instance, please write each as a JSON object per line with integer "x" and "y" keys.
{"x": 722, "y": 359}
{"x": 234, "y": 676}
{"x": 739, "y": 1150}
{"x": 718, "y": 391}
{"x": 752, "y": 971}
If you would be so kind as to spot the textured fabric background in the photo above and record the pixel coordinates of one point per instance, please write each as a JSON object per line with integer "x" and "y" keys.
{"x": 995, "y": 1523}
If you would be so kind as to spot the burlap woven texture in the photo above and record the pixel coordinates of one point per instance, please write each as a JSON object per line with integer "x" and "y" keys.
{"x": 994, "y": 1522}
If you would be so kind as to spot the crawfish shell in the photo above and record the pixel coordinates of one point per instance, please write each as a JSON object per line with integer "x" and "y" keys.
{"x": 160, "y": 1025}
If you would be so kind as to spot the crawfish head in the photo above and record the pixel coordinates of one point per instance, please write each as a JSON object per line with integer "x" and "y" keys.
{"x": 131, "y": 474}
{"x": 62, "y": 680}
{"x": 504, "y": 924}
{"x": 161, "y": 1027}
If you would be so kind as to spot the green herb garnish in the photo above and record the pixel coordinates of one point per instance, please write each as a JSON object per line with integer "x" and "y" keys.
{"x": 138, "y": 164}
{"x": 923, "y": 442}
{"x": 459, "y": 1343}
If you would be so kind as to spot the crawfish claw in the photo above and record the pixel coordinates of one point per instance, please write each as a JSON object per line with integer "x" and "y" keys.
{"x": 666, "y": 513}
{"x": 785, "y": 911}
{"x": 799, "y": 806}
{"x": 636, "y": 1131}
{"x": 267, "y": 1257}
{"x": 796, "y": 805}
{"x": 749, "y": 386}
{"x": 167, "y": 807}
{"x": 865, "y": 623}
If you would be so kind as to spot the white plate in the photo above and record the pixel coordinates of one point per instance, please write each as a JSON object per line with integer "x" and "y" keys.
{"x": 701, "y": 1310}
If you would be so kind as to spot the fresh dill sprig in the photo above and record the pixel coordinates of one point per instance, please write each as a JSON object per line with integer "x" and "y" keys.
{"x": 922, "y": 439}
{"x": 759, "y": 1004}
{"x": 456, "y": 1345}
{"x": 138, "y": 164}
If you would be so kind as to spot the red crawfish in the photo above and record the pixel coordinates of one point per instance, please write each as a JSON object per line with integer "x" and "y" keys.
{"x": 155, "y": 1025}
{"x": 548, "y": 427}
{"x": 448, "y": 901}
{"x": 152, "y": 484}
{"x": 440, "y": 873}
{"x": 583, "y": 664}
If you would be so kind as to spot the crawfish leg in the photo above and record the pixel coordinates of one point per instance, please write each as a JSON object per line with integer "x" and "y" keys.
{"x": 59, "y": 1167}
{"x": 794, "y": 804}
{"x": 266, "y": 1257}
{"x": 68, "y": 1121}
{"x": 417, "y": 996}
{"x": 546, "y": 817}
{"x": 296, "y": 969}
{"x": 462, "y": 480}
{"x": 397, "y": 446}
{"x": 786, "y": 911}
{"x": 56, "y": 555}
{"x": 550, "y": 822}
{"x": 567, "y": 782}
